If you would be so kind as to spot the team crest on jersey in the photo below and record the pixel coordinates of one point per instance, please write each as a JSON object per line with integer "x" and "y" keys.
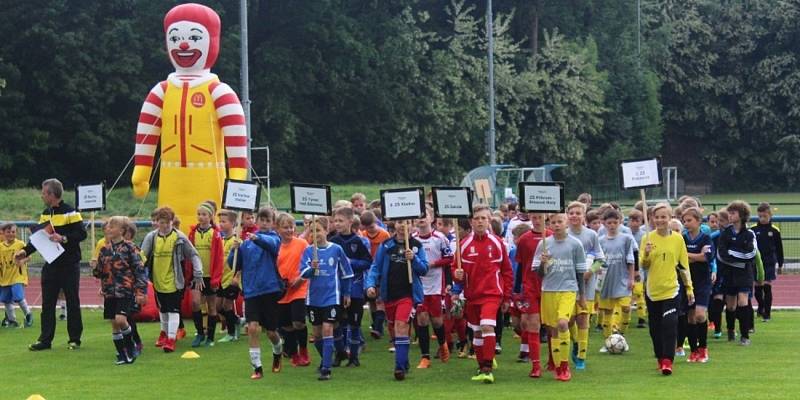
{"x": 198, "y": 100}
{"x": 415, "y": 249}
{"x": 472, "y": 250}
{"x": 353, "y": 247}
{"x": 769, "y": 234}
{"x": 330, "y": 261}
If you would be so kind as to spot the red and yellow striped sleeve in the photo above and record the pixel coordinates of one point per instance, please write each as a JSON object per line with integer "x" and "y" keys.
{"x": 148, "y": 130}
{"x": 232, "y": 122}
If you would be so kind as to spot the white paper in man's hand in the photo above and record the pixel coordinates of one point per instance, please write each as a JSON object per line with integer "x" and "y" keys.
{"x": 48, "y": 249}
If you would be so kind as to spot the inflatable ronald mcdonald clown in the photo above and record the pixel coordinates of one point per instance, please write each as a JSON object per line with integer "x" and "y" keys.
{"x": 195, "y": 118}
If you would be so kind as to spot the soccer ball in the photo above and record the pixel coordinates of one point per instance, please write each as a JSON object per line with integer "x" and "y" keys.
{"x": 616, "y": 344}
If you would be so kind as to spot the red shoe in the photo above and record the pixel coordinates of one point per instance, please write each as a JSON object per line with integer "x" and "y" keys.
{"x": 305, "y": 360}
{"x": 536, "y": 370}
{"x": 181, "y": 334}
{"x": 258, "y": 373}
{"x": 169, "y": 346}
{"x": 692, "y": 357}
{"x": 162, "y": 338}
{"x": 702, "y": 355}
{"x": 666, "y": 366}
{"x": 565, "y": 375}
{"x": 295, "y": 360}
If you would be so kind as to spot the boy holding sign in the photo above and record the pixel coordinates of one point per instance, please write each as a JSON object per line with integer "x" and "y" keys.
{"x": 262, "y": 286}
{"x": 487, "y": 279}
{"x": 328, "y": 270}
{"x": 437, "y": 252}
{"x": 561, "y": 268}
{"x": 531, "y": 289}
{"x": 389, "y": 271}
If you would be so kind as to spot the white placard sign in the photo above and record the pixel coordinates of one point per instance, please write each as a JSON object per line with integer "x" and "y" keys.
{"x": 405, "y": 203}
{"x": 545, "y": 197}
{"x": 310, "y": 199}
{"x": 452, "y": 202}
{"x": 636, "y": 174}
{"x": 90, "y": 197}
{"x": 241, "y": 195}
{"x": 48, "y": 249}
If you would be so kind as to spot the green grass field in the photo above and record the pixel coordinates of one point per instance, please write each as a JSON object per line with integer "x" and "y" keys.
{"x": 766, "y": 370}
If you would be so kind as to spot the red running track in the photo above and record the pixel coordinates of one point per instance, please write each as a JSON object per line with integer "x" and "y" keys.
{"x": 786, "y": 291}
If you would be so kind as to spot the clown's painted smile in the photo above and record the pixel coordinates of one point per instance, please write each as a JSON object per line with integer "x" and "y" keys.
{"x": 186, "y": 58}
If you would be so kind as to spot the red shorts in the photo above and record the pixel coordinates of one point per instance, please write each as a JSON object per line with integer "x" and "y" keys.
{"x": 483, "y": 313}
{"x": 529, "y": 304}
{"x": 399, "y": 310}
{"x": 432, "y": 304}
{"x": 513, "y": 310}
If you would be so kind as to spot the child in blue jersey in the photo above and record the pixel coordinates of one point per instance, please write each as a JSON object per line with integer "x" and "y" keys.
{"x": 736, "y": 260}
{"x": 330, "y": 277}
{"x": 262, "y": 286}
{"x": 703, "y": 270}
{"x": 770, "y": 246}
{"x": 389, "y": 271}
{"x": 717, "y": 304}
{"x": 358, "y": 255}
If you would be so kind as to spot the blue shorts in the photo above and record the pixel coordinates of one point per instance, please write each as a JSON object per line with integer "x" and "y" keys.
{"x": 12, "y": 294}
{"x": 735, "y": 290}
{"x": 769, "y": 272}
{"x": 702, "y": 294}
{"x": 718, "y": 287}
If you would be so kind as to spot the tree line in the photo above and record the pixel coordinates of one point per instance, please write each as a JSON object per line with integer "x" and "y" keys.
{"x": 385, "y": 91}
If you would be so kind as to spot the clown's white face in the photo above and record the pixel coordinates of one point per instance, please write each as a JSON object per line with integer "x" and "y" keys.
{"x": 188, "y": 45}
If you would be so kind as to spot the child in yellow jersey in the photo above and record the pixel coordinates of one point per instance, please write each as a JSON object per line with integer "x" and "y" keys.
{"x": 663, "y": 255}
{"x": 13, "y": 277}
{"x": 206, "y": 239}
{"x": 165, "y": 251}
{"x": 229, "y": 288}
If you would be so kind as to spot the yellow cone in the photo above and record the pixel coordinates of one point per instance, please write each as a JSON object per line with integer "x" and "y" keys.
{"x": 190, "y": 355}
{"x": 35, "y": 397}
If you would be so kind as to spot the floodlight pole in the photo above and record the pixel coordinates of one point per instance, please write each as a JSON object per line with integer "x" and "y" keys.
{"x": 490, "y": 34}
{"x": 245, "y": 77}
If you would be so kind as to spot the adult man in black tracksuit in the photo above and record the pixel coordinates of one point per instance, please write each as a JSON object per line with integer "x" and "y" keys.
{"x": 64, "y": 272}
